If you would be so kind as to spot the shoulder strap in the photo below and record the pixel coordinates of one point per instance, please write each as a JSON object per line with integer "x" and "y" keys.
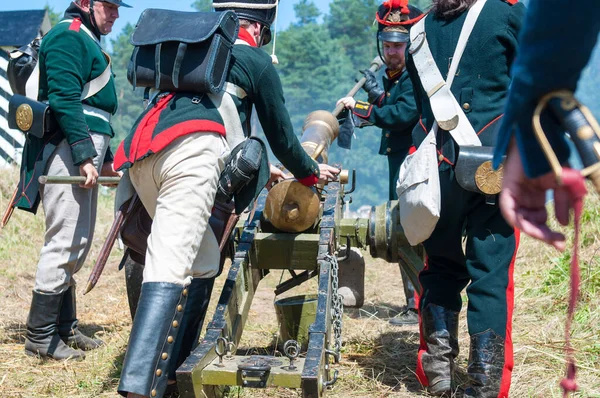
{"x": 465, "y": 33}
{"x": 92, "y": 88}
{"x": 446, "y": 110}
{"x": 231, "y": 119}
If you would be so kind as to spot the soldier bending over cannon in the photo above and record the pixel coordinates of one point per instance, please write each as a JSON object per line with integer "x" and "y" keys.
{"x": 173, "y": 154}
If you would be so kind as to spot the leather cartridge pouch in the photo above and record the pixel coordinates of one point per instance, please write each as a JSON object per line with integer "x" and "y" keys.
{"x": 182, "y": 51}
{"x": 474, "y": 171}
{"x": 138, "y": 224}
{"x": 30, "y": 116}
{"x": 241, "y": 167}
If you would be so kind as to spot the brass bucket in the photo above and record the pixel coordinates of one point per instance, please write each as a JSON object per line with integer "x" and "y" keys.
{"x": 295, "y": 315}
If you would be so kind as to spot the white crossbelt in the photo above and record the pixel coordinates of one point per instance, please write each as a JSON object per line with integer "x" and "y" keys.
{"x": 446, "y": 110}
{"x": 96, "y": 112}
{"x": 223, "y": 101}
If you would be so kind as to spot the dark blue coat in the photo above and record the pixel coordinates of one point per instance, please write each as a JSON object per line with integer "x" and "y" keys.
{"x": 555, "y": 44}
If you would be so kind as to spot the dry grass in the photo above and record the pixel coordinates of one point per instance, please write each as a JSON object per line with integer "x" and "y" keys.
{"x": 378, "y": 359}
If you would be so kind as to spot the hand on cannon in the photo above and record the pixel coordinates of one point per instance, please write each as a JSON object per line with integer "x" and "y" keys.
{"x": 327, "y": 173}
{"x": 276, "y": 176}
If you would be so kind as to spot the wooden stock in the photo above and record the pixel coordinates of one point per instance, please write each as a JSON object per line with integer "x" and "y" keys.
{"x": 108, "y": 245}
{"x": 10, "y": 209}
{"x": 375, "y": 65}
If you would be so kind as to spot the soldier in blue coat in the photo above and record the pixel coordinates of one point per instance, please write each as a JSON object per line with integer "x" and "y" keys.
{"x": 393, "y": 109}
{"x": 547, "y": 61}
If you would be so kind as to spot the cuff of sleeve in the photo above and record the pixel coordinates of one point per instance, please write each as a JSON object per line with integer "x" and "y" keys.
{"x": 82, "y": 150}
{"x": 362, "y": 109}
{"x": 309, "y": 181}
{"x": 109, "y": 157}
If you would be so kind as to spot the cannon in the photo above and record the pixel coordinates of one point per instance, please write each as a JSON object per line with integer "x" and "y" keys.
{"x": 300, "y": 229}
{"x": 260, "y": 248}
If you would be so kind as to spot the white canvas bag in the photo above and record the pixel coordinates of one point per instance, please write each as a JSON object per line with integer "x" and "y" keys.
{"x": 418, "y": 186}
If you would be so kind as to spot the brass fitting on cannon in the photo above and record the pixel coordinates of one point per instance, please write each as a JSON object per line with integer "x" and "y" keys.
{"x": 291, "y": 206}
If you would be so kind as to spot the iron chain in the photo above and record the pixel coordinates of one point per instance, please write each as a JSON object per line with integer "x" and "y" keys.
{"x": 337, "y": 305}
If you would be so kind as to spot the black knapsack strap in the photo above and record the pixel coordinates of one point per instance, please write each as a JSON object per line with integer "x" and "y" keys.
{"x": 157, "y": 64}
{"x": 178, "y": 61}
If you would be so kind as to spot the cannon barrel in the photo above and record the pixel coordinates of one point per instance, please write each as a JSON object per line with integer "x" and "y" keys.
{"x": 290, "y": 206}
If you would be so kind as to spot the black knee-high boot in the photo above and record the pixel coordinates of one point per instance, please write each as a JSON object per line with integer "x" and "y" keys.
{"x": 42, "y": 329}
{"x": 193, "y": 317}
{"x": 155, "y": 329}
{"x": 440, "y": 333}
{"x": 486, "y": 365}
{"x": 67, "y": 325}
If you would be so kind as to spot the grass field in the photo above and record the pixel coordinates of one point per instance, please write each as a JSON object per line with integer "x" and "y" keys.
{"x": 378, "y": 359}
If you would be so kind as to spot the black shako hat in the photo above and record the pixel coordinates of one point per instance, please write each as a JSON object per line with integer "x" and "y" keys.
{"x": 262, "y": 11}
{"x": 394, "y": 19}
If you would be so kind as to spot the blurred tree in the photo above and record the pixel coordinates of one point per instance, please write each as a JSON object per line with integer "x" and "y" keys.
{"x": 53, "y": 16}
{"x": 202, "y": 5}
{"x": 306, "y": 12}
{"x": 351, "y": 23}
{"x": 423, "y": 5}
{"x": 130, "y": 101}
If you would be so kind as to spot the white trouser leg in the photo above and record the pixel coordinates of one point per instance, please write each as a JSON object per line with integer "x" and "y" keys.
{"x": 70, "y": 220}
{"x": 178, "y": 186}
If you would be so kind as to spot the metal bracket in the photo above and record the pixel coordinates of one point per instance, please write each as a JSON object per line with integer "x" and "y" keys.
{"x": 255, "y": 371}
{"x": 335, "y": 354}
{"x": 332, "y": 381}
{"x": 295, "y": 280}
{"x": 347, "y": 248}
{"x": 353, "y": 186}
{"x": 291, "y": 348}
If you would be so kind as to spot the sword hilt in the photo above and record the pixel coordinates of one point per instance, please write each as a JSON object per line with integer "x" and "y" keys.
{"x": 582, "y": 127}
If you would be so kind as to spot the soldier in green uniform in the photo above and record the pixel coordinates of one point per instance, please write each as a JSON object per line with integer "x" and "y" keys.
{"x": 173, "y": 156}
{"x": 393, "y": 109}
{"x": 485, "y": 268}
{"x": 76, "y": 81}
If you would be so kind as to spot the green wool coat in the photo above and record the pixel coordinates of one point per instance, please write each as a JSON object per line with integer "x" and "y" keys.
{"x": 68, "y": 59}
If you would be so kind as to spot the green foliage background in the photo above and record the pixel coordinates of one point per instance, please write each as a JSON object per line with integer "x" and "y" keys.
{"x": 319, "y": 59}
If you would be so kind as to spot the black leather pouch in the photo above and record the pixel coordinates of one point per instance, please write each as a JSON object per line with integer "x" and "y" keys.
{"x": 21, "y": 65}
{"x": 182, "y": 51}
{"x": 30, "y": 116}
{"x": 474, "y": 171}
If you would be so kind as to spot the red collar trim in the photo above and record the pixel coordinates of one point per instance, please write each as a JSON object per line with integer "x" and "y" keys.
{"x": 392, "y": 74}
{"x": 247, "y": 37}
